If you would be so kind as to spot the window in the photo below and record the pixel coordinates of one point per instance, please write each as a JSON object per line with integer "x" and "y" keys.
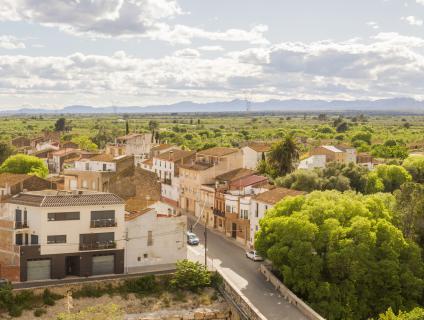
{"x": 34, "y": 239}
{"x": 87, "y": 166}
{"x": 63, "y": 216}
{"x": 145, "y": 255}
{"x": 104, "y": 166}
{"x": 138, "y": 258}
{"x": 56, "y": 239}
{"x": 19, "y": 239}
{"x": 84, "y": 184}
{"x": 257, "y": 210}
{"x": 149, "y": 238}
{"x": 228, "y": 208}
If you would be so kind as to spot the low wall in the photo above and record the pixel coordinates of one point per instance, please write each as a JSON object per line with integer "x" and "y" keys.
{"x": 233, "y": 295}
{"x": 289, "y": 295}
{"x": 196, "y": 314}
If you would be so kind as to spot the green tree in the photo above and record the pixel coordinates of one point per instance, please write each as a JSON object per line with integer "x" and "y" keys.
{"x": 85, "y": 143}
{"x": 387, "y": 178}
{"x": 6, "y": 150}
{"x": 302, "y": 180}
{"x": 414, "y": 314}
{"x": 284, "y": 155}
{"x": 60, "y": 124}
{"x": 21, "y": 163}
{"x": 153, "y": 126}
{"x": 415, "y": 166}
{"x": 410, "y": 211}
{"x": 191, "y": 276}
{"x": 340, "y": 252}
{"x": 342, "y": 127}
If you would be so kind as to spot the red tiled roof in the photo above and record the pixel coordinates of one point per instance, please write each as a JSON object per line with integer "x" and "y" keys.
{"x": 218, "y": 151}
{"x": 247, "y": 181}
{"x": 275, "y": 195}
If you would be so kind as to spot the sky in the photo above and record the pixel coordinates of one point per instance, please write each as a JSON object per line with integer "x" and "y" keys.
{"x": 55, "y": 53}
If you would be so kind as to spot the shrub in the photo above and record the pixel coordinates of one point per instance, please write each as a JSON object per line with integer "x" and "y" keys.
{"x": 145, "y": 284}
{"x": 191, "y": 276}
{"x": 39, "y": 312}
{"x": 15, "y": 310}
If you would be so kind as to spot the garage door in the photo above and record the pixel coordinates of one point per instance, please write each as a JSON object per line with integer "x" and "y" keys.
{"x": 103, "y": 264}
{"x": 38, "y": 269}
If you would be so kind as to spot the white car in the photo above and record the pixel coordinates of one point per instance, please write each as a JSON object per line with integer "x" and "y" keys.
{"x": 253, "y": 255}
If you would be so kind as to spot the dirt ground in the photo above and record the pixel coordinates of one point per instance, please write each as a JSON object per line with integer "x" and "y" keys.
{"x": 133, "y": 304}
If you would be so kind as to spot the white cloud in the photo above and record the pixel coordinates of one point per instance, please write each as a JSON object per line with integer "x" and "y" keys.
{"x": 211, "y": 48}
{"x": 413, "y": 21}
{"x": 373, "y": 25}
{"x": 386, "y": 65}
{"x": 119, "y": 18}
{"x": 11, "y": 42}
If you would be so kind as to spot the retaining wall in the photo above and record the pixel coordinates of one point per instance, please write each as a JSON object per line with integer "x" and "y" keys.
{"x": 289, "y": 295}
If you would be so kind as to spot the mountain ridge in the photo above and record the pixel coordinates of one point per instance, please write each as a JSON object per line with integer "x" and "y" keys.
{"x": 408, "y": 105}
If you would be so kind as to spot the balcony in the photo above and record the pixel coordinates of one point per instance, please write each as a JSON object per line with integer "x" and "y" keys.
{"x": 21, "y": 225}
{"x": 219, "y": 213}
{"x": 103, "y": 223}
{"x": 97, "y": 246}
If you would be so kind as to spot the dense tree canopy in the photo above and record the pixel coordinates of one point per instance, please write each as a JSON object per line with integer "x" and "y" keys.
{"x": 85, "y": 143}
{"x": 415, "y": 314}
{"x": 6, "y": 151}
{"x": 60, "y": 124}
{"x": 334, "y": 177}
{"x": 21, "y": 163}
{"x": 386, "y": 178}
{"x": 415, "y": 166}
{"x": 342, "y": 254}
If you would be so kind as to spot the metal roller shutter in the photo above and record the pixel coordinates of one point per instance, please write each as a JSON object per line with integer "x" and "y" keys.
{"x": 38, "y": 269}
{"x": 103, "y": 265}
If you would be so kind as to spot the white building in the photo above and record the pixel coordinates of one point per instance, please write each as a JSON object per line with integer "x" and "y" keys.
{"x": 59, "y": 233}
{"x": 262, "y": 202}
{"x": 253, "y": 153}
{"x": 313, "y": 162}
{"x": 155, "y": 238}
{"x": 166, "y": 166}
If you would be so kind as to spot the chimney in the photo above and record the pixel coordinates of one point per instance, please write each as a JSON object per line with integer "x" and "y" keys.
{"x": 171, "y": 155}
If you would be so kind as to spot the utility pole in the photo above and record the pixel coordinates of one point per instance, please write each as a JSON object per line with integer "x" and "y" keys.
{"x": 206, "y": 239}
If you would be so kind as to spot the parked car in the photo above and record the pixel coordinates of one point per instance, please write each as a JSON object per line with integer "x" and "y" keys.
{"x": 253, "y": 255}
{"x": 192, "y": 239}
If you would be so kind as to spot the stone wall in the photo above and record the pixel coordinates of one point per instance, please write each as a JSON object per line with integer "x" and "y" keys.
{"x": 196, "y": 314}
{"x": 289, "y": 295}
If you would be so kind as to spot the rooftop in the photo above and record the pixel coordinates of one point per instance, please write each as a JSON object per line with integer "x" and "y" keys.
{"x": 218, "y": 151}
{"x": 64, "y": 152}
{"x": 129, "y": 136}
{"x": 12, "y": 178}
{"x": 58, "y": 198}
{"x": 275, "y": 195}
{"x": 162, "y": 146}
{"x": 332, "y": 148}
{"x": 197, "y": 166}
{"x": 260, "y": 146}
{"x": 248, "y": 181}
{"x": 175, "y": 155}
{"x": 235, "y": 174}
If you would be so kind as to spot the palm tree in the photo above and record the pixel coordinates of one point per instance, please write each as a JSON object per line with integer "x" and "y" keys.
{"x": 284, "y": 155}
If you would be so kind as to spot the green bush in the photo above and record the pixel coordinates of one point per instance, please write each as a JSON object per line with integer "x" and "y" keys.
{"x": 145, "y": 284}
{"x": 39, "y": 312}
{"x": 15, "y": 310}
{"x": 89, "y": 291}
{"x": 191, "y": 276}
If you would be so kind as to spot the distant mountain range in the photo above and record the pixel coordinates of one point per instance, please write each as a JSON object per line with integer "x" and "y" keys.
{"x": 395, "y": 105}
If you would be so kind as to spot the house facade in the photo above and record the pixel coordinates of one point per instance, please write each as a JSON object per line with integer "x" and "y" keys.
{"x": 155, "y": 238}
{"x": 207, "y": 165}
{"x": 338, "y": 154}
{"x": 253, "y": 153}
{"x": 59, "y": 234}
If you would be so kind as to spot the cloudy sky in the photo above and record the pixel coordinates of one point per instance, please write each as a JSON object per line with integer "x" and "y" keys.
{"x": 55, "y": 53}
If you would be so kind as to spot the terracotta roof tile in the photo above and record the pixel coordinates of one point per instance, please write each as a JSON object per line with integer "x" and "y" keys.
{"x": 235, "y": 174}
{"x": 12, "y": 178}
{"x": 218, "y": 151}
{"x": 260, "y": 146}
{"x": 175, "y": 155}
{"x": 275, "y": 195}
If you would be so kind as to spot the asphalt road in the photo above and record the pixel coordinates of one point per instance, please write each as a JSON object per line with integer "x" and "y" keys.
{"x": 245, "y": 275}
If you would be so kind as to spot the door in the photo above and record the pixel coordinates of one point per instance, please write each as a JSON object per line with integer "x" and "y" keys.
{"x": 234, "y": 231}
{"x": 73, "y": 184}
{"x": 103, "y": 265}
{"x": 72, "y": 264}
{"x": 38, "y": 269}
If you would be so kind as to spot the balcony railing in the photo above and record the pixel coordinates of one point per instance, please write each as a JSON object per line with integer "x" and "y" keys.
{"x": 103, "y": 223}
{"x": 21, "y": 225}
{"x": 97, "y": 245}
{"x": 219, "y": 213}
